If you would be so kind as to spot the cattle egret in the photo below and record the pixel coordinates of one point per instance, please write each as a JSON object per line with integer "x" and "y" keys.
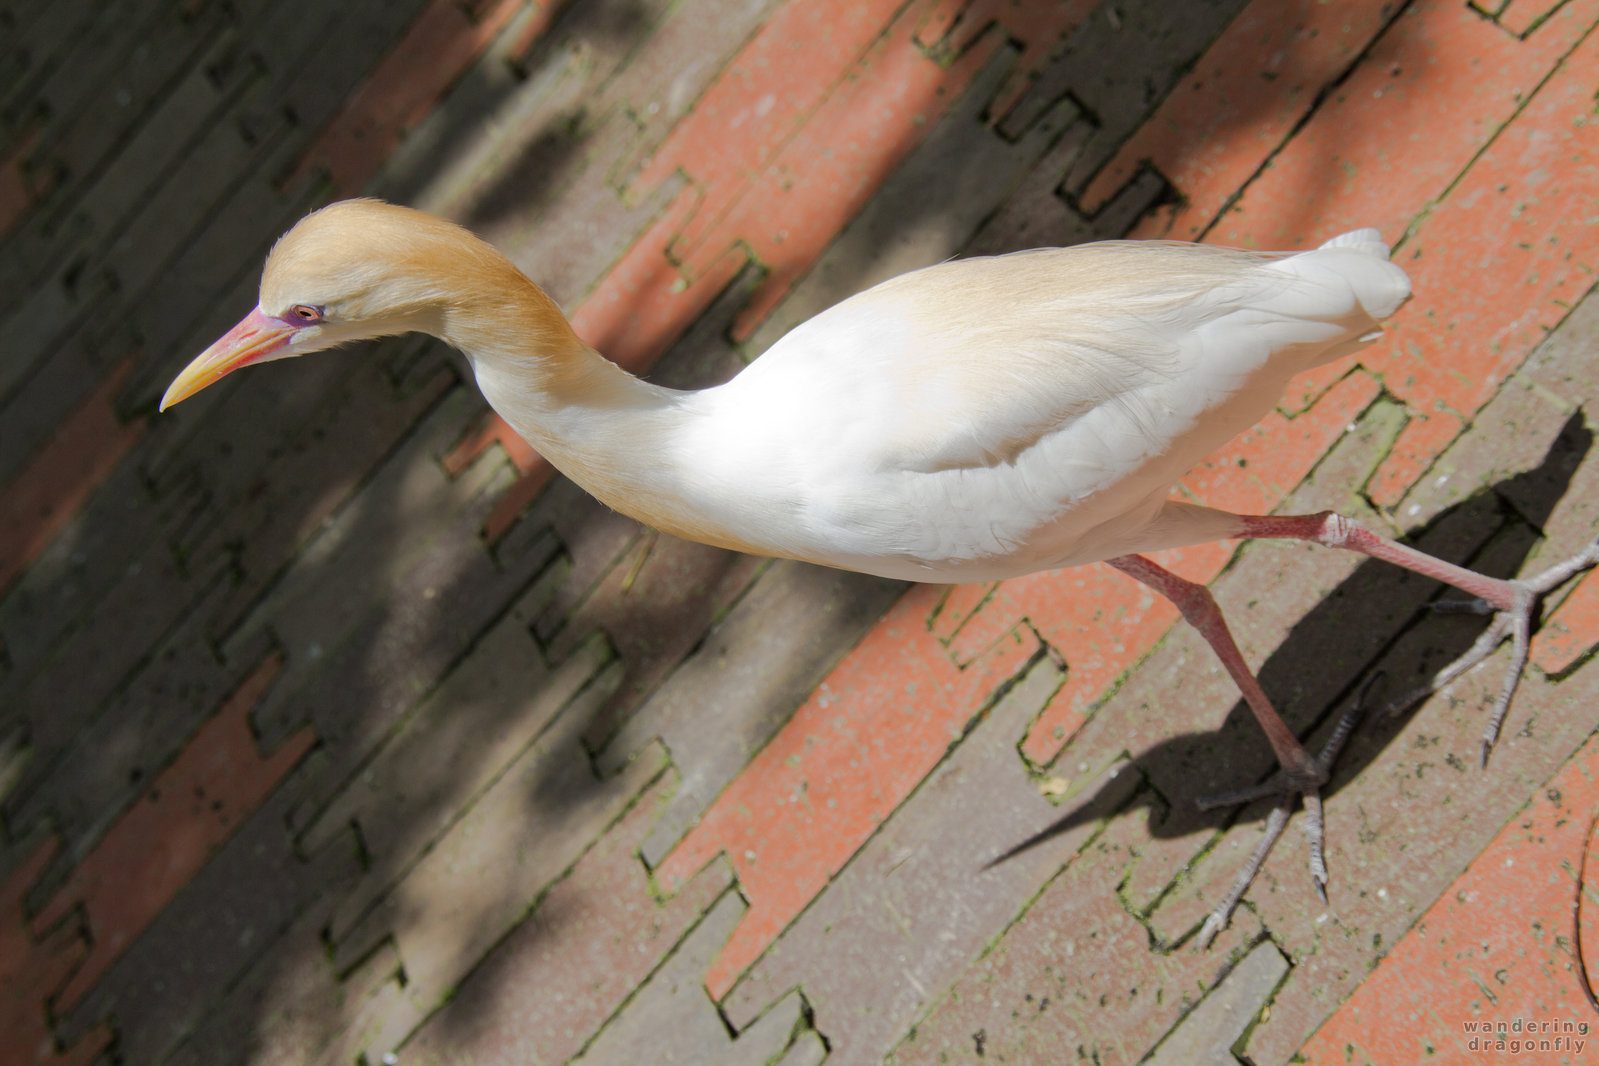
{"x": 970, "y": 421}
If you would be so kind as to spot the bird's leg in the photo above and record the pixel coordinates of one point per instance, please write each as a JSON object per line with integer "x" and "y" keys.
{"x": 1512, "y": 601}
{"x": 1302, "y": 774}
{"x": 1216, "y": 921}
{"x": 1199, "y": 608}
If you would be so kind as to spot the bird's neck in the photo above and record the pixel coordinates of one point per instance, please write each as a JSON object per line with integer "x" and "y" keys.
{"x": 622, "y": 439}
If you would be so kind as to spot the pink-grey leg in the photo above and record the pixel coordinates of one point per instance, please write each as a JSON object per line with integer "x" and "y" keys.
{"x": 1302, "y": 774}
{"x": 1512, "y": 601}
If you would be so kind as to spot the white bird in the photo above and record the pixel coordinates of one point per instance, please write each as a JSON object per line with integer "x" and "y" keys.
{"x": 975, "y": 420}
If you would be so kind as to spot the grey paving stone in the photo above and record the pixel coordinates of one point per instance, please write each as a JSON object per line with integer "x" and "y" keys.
{"x": 315, "y": 55}
{"x": 43, "y": 399}
{"x": 1119, "y": 64}
{"x": 1207, "y": 1035}
{"x": 439, "y": 759}
{"x": 205, "y": 940}
{"x": 487, "y": 871}
{"x": 1398, "y": 829}
{"x": 948, "y": 872}
{"x": 67, "y": 701}
{"x": 262, "y": 519}
{"x": 395, "y": 649}
{"x": 1313, "y": 622}
{"x": 156, "y": 145}
{"x": 176, "y": 211}
{"x": 543, "y": 993}
{"x": 38, "y": 45}
{"x": 53, "y": 313}
{"x": 207, "y": 272}
{"x": 92, "y": 553}
{"x": 121, "y": 94}
{"x": 412, "y": 529}
{"x": 89, "y": 761}
{"x": 660, "y": 84}
{"x": 100, "y": 46}
{"x": 1038, "y": 214}
{"x": 199, "y": 460}
{"x": 1074, "y": 978}
{"x": 672, "y": 1020}
{"x": 289, "y": 1004}
{"x": 745, "y": 680}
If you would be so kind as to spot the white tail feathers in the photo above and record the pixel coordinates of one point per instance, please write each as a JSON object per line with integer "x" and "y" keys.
{"x": 1367, "y": 241}
{"x": 1379, "y": 285}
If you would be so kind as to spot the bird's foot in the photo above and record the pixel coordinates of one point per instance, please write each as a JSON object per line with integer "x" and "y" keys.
{"x": 1514, "y": 622}
{"x": 1285, "y": 785}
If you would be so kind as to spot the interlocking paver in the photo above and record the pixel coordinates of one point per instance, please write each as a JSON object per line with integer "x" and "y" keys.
{"x": 825, "y": 782}
{"x": 1218, "y": 126}
{"x": 489, "y": 708}
{"x": 85, "y": 448}
{"x": 755, "y": 667}
{"x": 1209, "y": 1032}
{"x": 545, "y": 990}
{"x": 477, "y": 882}
{"x": 1452, "y": 971}
{"x": 933, "y": 888}
{"x": 220, "y": 924}
{"x": 32, "y": 968}
{"x": 673, "y": 1021}
{"x": 189, "y": 809}
{"x": 1073, "y": 979}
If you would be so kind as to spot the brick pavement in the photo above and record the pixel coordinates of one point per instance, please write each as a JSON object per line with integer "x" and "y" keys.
{"x": 335, "y": 728}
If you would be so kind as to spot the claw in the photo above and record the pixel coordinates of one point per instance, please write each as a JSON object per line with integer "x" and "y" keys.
{"x": 1514, "y": 622}
{"x": 1286, "y": 786}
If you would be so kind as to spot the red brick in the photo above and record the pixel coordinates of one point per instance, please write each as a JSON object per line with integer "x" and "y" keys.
{"x": 489, "y": 431}
{"x": 1238, "y": 105}
{"x": 780, "y": 152}
{"x": 1496, "y": 945}
{"x": 1435, "y": 88}
{"x": 950, "y": 27}
{"x": 1522, "y": 17}
{"x": 1503, "y": 259}
{"x": 85, "y": 448}
{"x": 940, "y": 880}
{"x": 191, "y": 809}
{"x": 1570, "y": 632}
{"x": 30, "y": 969}
{"x": 958, "y": 605}
{"x": 443, "y": 41}
{"x": 869, "y": 734}
{"x": 1423, "y": 439}
{"x": 759, "y": 100}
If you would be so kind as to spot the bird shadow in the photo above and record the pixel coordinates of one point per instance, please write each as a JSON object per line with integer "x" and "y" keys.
{"x": 1381, "y": 619}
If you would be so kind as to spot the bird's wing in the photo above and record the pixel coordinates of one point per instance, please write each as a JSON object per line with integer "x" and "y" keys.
{"x": 1058, "y": 388}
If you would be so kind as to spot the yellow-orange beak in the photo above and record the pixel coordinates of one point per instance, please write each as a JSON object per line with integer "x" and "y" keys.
{"x": 255, "y": 338}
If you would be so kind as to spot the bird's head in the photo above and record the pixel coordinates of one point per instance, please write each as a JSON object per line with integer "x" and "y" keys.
{"x": 356, "y": 269}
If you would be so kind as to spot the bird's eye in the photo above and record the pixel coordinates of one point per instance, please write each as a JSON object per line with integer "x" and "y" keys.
{"x": 306, "y": 313}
